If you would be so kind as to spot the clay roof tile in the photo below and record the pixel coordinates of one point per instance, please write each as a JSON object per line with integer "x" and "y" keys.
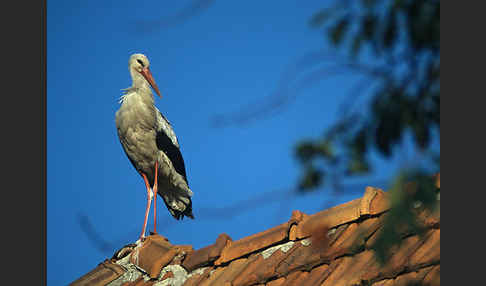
{"x": 329, "y": 218}
{"x": 317, "y": 275}
{"x": 206, "y": 255}
{"x": 295, "y": 278}
{"x": 429, "y": 251}
{"x": 252, "y": 243}
{"x": 412, "y": 278}
{"x": 351, "y": 269}
{"x": 213, "y": 276}
{"x": 277, "y": 282}
{"x": 153, "y": 254}
{"x": 262, "y": 266}
{"x": 231, "y": 272}
{"x": 433, "y": 277}
{"x": 196, "y": 277}
{"x": 104, "y": 273}
{"x": 331, "y": 247}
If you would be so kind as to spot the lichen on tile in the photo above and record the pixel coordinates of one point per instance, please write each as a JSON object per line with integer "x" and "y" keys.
{"x": 283, "y": 247}
{"x": 305, "y": 242}
{"x": 180, "y": 276}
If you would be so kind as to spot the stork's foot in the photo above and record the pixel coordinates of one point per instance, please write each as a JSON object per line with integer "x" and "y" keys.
{"x": 160, "y": 236}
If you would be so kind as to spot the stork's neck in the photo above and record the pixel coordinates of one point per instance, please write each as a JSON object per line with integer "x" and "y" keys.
{"x": 139, "y": 91}
{"x": 139, "y": 82}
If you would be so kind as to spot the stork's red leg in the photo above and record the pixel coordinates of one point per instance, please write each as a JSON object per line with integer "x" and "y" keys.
{"x": 147, "y": 209}
{"x": 155, "y": 195}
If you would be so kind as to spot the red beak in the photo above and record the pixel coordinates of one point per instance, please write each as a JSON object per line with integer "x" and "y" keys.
{"x": 148, "y": 76}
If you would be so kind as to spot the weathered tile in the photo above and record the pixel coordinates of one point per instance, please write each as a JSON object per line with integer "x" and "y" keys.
{"x": 124, "y": 251}
{"x": 304, "y": 255}
{"x": 213, "y": 275}
{"x": 411, "y": 278}
{"x": 374, "y": 202}
{"x": 328, "y": 219}
{"x": 335, "y": 269}
{"x": 244, "y": 246}
{"x": 149, "y": 251}
{"x": 182, "y": 252}
{"x": 155, "y": 253}
{"x": 167, "y": 275}
{"x": 373, "y": 196}
{"x": 295, "y": 219}
{"x": 353, "y": 238}
{"x": 231, "y": 271}
{"x": 135, "y": 282}
{"x": 295, "y": 278}
{"x": 385, "y": 282}
{"x": 197, "y": 276}
{"x": 429, "y": 251}
{"x": 104, "y": 273}
{"x": 433, "y": 277}
{"x": 206, "y": 255}
{"x": 139, "y": 282}
{"x": 276, "y": 282}
{"x": 293, "y": 232}
{"x": 262, "y": 266}
{"x": 429, "y": 218}
{"x": 161, "y": 262}
{"x": 317, "y": 275}
{"x": 334, "y": 233}
{"x": 380, "y": 202}
{"x": 297, "y": 216}
{"x": 370, "y": 243}
{"x": 400, "y": 255}
{"x": 159, "y": 239}
{"x": 351, "y": 269}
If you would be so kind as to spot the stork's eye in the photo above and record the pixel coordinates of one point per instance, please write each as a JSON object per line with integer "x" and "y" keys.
{"x": 140, "y": 62}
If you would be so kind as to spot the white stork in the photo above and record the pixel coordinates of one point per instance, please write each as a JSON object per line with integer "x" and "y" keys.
{"x": 151, "y": 145}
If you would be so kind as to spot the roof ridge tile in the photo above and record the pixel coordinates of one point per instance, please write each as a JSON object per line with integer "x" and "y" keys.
{"x": 252, "y": 243}
{"x": 206, "y": 255}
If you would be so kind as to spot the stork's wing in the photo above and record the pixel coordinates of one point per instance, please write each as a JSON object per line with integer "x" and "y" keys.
{"x": 167, "y": 142}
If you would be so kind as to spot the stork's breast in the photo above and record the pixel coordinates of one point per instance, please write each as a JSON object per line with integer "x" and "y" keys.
{"x": 137, "y": 137}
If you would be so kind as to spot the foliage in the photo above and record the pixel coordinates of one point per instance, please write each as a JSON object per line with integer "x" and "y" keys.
{"x": 402, "y": 38}
{"x": 411, "y": 192}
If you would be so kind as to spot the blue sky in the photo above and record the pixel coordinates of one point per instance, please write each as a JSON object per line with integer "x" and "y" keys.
{"x": 231, "y": 54}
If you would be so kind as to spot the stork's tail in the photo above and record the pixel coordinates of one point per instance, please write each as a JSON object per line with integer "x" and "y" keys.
{"x": 179, "y": 205}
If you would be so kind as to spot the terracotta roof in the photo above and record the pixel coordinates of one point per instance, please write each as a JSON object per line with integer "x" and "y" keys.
{"x": 331, "y": 247}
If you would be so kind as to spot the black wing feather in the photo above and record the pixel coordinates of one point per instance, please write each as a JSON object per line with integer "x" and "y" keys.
{"x": 164, "y": 143}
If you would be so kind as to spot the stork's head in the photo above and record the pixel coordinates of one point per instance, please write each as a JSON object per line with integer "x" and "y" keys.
{"x": 139, "y": 64}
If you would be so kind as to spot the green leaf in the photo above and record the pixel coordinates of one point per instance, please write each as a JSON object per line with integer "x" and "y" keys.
{"x": 421, "y": 134}
{"x": 390, "y": 33}
{"x": 356, "y": 44}
{"x": 337, "y": 31}
{"x": 320, "y": 17}
{"x": 369, "y": 3}
{"x": 305, "y": 151}
{"x": 369, "y": 26}
{"x": 357, "y": 166}
{"x": 311, "y": 179}
{"x": 325, "y": 150}
{"x": 408, "y": 187}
